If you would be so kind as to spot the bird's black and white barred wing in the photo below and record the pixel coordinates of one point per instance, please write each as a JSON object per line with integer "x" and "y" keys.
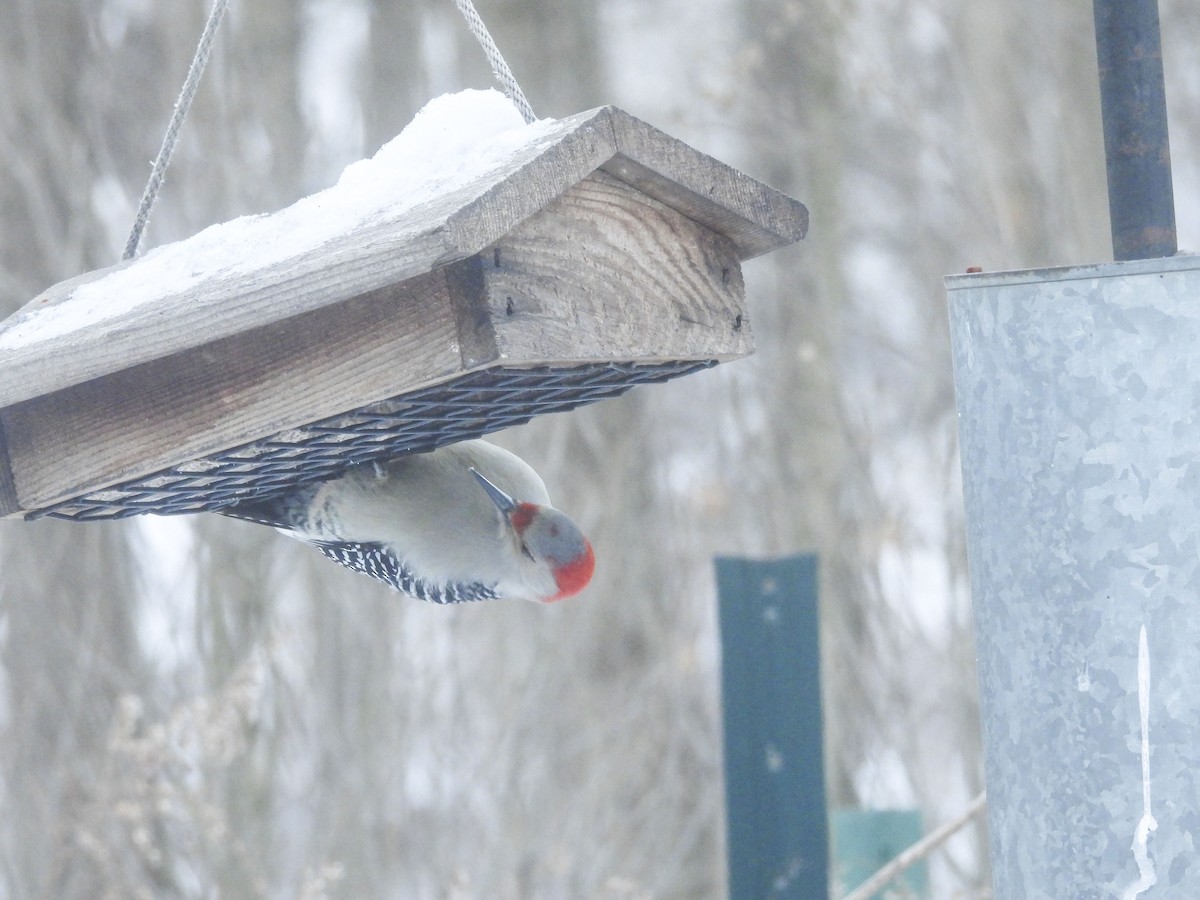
{"x": 377, "y": 561}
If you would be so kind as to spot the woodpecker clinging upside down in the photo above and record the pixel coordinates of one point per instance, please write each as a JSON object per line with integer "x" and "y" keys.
{"x": 468, "y": 521}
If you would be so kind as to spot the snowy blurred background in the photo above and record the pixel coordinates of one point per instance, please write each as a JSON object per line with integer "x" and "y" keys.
{"x": 200, "y": 708}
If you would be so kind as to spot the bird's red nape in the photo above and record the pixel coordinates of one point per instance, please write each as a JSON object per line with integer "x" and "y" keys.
{"x": 573, "y": 577}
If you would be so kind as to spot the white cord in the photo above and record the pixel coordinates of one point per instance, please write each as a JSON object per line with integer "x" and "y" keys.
{"x": 171, "y": 138}
{"x": 500, "y": 68}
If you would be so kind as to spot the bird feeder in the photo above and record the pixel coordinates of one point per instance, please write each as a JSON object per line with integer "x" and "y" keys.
{"x": 1076, "y": 392}
{"x": 600, "y": 255}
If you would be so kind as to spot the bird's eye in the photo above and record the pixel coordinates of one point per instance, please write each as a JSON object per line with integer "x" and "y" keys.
{"x": 525, "y": 551}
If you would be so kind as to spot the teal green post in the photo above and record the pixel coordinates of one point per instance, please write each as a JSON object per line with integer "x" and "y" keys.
{"x": 866, "y": 840}
{"x": 771, "y": 694}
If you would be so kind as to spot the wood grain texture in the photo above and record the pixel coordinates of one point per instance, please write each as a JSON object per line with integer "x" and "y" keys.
{"x": 468, "y": 295}
{"x": 8, "y": 489}
{"x": 604, "y": 273}
{"x": 755, "y": 217}
{"x": 239, "y": 296}
{"x": 508, "y": 201}
{"x": 212, "y": 311}
{"x": 607, "y": 273}
{"x": 605, "y": 240}
{"x": 240, "y": 389}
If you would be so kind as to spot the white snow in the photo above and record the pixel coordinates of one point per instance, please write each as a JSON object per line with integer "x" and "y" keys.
{"x": 1147, "y": 877}
{"x": 454, "y": 140}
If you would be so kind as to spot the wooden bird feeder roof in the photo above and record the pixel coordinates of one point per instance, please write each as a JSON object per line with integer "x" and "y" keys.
{"x": 600, "y": 255}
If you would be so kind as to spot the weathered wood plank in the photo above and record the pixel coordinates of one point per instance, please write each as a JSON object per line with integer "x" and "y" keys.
{"x": 239, "y": 295}
{"x": 8, "y": 489}
{"x": 604, "y": 273}
{"x": 607, "y": 273}
{"x": 602, "y": 240}
{"x": 239, "y": 389}
{"x": 540, "y": 179}
{"x": 755, "y": 217}
{"x": 223, "y": 306}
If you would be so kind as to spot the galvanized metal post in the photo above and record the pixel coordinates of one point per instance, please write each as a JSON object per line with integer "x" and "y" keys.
{"x": 1133, "y": 103}
{"x": 1079, "y": 415}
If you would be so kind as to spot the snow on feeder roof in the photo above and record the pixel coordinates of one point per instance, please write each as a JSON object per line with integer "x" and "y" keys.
{"x": 473, "y": 274}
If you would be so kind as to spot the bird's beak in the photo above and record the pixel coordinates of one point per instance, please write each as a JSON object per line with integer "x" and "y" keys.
{"x": 504, "y": 503}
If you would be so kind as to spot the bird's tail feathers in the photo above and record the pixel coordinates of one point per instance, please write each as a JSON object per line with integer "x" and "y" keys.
{"x": 286, "y": 510}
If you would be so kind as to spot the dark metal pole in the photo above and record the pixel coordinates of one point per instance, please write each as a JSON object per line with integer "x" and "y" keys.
{"x": 1134, "y": 107}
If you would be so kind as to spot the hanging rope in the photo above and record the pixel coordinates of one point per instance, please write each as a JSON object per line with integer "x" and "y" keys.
{"x": 171, "y": 137}
{"x": 500, "y": 68}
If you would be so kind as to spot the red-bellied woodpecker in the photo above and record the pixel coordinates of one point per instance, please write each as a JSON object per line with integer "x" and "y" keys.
{"x": 468, "y": 521}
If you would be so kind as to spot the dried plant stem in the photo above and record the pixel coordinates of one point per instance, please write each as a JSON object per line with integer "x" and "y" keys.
{"x": 917, "y": 851}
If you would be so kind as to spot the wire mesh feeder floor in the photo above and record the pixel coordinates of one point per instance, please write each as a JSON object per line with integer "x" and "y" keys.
{"x": 468, "y": 407}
